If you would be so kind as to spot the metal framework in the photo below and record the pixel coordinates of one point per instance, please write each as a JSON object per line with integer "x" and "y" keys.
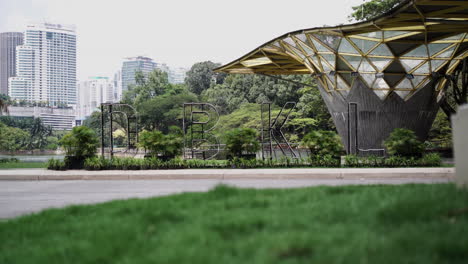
{"x": 397, "y": 52}
{"x": 272, "y": 131}
{"x": 132, "y": 130}
{"x": 197, "y": 131}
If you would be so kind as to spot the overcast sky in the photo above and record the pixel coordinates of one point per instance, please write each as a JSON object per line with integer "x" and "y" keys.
{"x": 175, "y": 32}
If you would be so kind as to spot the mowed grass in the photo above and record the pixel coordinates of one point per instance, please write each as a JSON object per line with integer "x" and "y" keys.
{"x": 352, "y": 224}
{"x": 23, "y": 165}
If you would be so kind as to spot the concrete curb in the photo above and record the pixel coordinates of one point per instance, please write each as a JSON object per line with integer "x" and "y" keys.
{"x": 221, "y": 174}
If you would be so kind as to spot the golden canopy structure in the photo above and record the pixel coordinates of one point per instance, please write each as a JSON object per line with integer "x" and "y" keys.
{"x": 376, "y": 75}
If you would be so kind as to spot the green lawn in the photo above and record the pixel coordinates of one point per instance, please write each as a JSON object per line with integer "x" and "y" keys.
{"x": 23, "y": 165}
{"x": 355, "y": 224}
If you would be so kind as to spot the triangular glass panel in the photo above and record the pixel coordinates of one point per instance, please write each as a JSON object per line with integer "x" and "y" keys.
{"x": 301, "y": 37}
{"x": 403, "y": 94}
{"x": 329, "y": 40}
{"x": 381, "y": 50}
{"x": 298, "y": 52}
{"x": 341, "y": 84}
{"x": 463, "y": 55}
{"x": 391, "y": 34}
{"x": 276, "y": 44}
{"x": 446, "y": 54}
{"x": 380, "y": 63}
{"x": 365, "y": 66}
{"x": 423, "y": 69}
{"x": 346, "y": 47}
{"x": 319, "y": 46}
{"x": 455, "y": 37}
{"x": 381, "y": 93}
{"x": 316, "y": 61}
{"x": 352, "y": 60}
{"x": 330, "y": 58}
{"x": 410, "y": 64}
{"x": 375, "y": 34}
{"x": 309, "y": 65}
{"x": 420, "y": 51}
{"x": 308, "y": 50}
{"x": 417, "y": 79}
{"x": 380, "y": 83}
{"x": 326, "y": 67}
{"x": 290, "y": 41}
{"x": 436, "y": 47}
{"x": 423, "y": 83}
{"x": 364, "y": 45}
{"x": 368, "y": 78}
{"x": 405, "y": 84}
{"x": 436, "y": 64}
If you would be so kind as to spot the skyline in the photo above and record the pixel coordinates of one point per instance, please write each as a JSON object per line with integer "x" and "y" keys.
{"x": 178, "y": 33}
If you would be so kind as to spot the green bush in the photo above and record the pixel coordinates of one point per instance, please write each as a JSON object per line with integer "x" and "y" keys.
{"x": 241, "y": 141}
{"x": 322, "y": 142}
{"x": 53, "y": 164}
{"x": 159, "y": 144}
{"x": 428, "y": 160}
{"x": 403, "y": 142}
{"x": 81, "y": 142}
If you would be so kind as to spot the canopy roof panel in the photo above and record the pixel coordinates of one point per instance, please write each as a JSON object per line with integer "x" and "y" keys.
{"x": 419, "y": 30}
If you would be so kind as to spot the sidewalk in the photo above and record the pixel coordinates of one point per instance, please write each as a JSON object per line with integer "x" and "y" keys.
{"x": 308, "y": 173}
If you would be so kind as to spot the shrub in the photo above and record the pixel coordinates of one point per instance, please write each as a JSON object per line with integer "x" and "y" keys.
{"x": 81, "y": 142}
{"x": 430, "y": 160}
{"x": 403, "y": 142}
{"x": 240, "y": 141}
{"x": 322, "y": 142}
{"x": 53, "y": 164}
{"x": 157, "y": 143}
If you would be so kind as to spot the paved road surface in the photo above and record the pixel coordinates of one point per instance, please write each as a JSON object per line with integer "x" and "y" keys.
{"x": 24, "y": 197}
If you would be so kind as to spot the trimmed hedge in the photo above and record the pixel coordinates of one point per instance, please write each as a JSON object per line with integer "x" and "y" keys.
{"x": 326, "y": 161}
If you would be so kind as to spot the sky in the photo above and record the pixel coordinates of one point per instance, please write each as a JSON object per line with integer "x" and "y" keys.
{"x": 176, "y": 32}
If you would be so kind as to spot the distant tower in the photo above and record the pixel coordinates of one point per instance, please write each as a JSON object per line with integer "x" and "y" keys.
{"x": 132, "y": 65}
{"x": 46, "y": 68}
{"x": 8, "y": 43}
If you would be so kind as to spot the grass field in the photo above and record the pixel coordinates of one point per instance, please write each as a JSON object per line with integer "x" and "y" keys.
{"x": 22, "y": 165}
{"x": 352, "y": 224}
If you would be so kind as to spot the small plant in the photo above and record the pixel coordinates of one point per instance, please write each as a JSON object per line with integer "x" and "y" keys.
{"x": 53, "y": 164}
{"x": 242, "y": 141}
{"x": 430, "y": 160}
{"x": 322, "y": 142}
{"x": 403, "y": 142}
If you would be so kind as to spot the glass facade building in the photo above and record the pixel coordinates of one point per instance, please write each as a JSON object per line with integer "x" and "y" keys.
{"x": 8, "y": 43}
{"x": 132, "y": 65}
{"x": 46, "y": 65}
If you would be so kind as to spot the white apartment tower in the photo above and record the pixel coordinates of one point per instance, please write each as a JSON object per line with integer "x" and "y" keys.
{"x": 92, "y": 93}
{"x": 46, "y": 65}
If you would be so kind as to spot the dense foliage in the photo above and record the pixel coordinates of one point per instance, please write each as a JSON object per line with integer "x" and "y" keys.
{"x": 403, "y": 142}
{"x": 321, "y": 142}
{"x": 241, "y": 141}
{"x": 81, "y": 142}
{"x": 372, "y": 9}
{"x": 157, "y": 143}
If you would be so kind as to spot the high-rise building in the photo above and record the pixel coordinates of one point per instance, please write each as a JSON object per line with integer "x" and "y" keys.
{"x": 8, "y": 43}
{"x": 132, "y": 65}
{"x": 117, "y": 82}
{"x": 92, "y": 93}
{"x": 46, "y": 65}
{"x": 177, "y": 75}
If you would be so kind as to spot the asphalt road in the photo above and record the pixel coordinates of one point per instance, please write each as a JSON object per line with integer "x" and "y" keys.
{"x": 25, "y": 197}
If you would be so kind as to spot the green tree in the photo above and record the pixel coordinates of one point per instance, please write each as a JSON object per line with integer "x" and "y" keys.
{"x": 372, "y": 9}
{"x": 12, "y": 138}
{"x": 201, "y": 75}
{"x": 242, "y": 140}
{"x": 157, "y": 143}
{"x": 321, "y": 142}
{"x": 403, "y": 142}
